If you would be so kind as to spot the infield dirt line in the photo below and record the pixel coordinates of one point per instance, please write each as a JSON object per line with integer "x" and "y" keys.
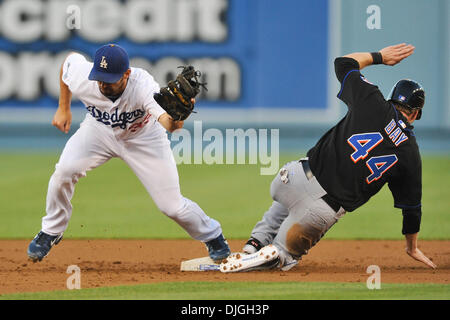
{"x": 124, "y": 262}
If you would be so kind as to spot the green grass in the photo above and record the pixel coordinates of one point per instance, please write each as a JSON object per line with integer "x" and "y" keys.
{"x": 247, "y": 291}
{"x": 112, "y": 203}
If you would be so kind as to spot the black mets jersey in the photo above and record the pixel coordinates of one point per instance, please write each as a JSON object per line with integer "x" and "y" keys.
{"x": 373, "y": 144}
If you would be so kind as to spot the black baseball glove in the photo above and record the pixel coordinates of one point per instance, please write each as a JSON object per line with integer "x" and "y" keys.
{"x": 177, "y": 97}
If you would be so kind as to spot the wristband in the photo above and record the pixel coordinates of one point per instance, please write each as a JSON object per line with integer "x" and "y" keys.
{"x": 377, "y": 58}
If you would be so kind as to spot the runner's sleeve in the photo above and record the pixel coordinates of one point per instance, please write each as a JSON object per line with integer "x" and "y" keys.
{"x": 355, "y": 88}
{"x": 407, "y": 193}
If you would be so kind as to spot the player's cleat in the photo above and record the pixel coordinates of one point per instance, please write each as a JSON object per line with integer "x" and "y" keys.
{"x": 265, "y": 259}
{"x": 41, "y": 245}
{"x": 218, "y": 248}
{"x": 251, "y": 246}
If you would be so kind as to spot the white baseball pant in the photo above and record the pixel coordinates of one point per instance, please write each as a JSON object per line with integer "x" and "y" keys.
{"x": 149, "y": 156}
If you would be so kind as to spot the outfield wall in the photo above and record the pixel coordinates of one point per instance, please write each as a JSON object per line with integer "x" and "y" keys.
{"x": 267, "y": 63}
{"x": 425, "y": 24}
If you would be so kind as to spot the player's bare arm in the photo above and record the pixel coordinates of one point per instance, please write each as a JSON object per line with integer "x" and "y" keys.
{"x": 390, "y": 55}
{"x": 63, "y": 116}
{"x": 169, "y": 124}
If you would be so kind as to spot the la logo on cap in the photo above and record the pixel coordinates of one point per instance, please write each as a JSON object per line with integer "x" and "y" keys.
{"x": 103, "y": 63}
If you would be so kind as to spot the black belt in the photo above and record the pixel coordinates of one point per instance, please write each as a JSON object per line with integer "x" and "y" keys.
{"x": 309, "y": 175}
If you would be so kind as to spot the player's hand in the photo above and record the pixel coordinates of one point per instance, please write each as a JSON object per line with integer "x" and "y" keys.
{"x": 419, "y": 256}
{"x": 414, "y": 252}
{"x": 62, "y": 120}
{"x": 394, "y": 54}
{"x": 169, "y": 124}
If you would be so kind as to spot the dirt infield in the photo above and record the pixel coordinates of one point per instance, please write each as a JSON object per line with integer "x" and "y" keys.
{"x": 127, "y": 262}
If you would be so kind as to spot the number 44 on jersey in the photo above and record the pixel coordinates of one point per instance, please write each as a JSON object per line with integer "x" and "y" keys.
{"x": 363, "y": 143}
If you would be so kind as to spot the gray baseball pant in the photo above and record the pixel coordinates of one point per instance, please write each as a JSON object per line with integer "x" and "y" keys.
{"x": 298, "y": 217}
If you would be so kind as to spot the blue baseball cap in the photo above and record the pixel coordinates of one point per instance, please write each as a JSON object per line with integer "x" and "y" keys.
{"x": 110, "y": 63}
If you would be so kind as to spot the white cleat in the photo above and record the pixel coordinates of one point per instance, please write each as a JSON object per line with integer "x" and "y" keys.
{"x": 264, "y": 259}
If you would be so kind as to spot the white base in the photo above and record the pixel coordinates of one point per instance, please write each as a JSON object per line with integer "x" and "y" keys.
{"x": 199, "y": 264}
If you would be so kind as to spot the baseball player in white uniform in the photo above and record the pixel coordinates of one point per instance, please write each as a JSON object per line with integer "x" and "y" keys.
{"x": 124, "y": 121}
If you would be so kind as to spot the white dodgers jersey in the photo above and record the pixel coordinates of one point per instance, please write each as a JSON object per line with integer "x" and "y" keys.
{"x": 134, "y": 110}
